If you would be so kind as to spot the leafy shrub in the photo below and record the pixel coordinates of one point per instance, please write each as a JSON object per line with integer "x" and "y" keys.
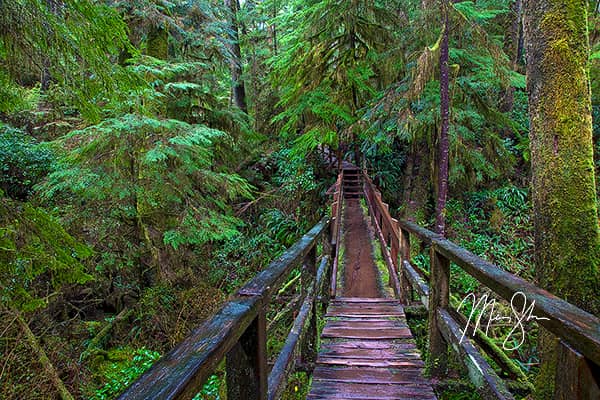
{"x": 123, "y": 370}
{"x": 23, "y": 162}
{"x": 37, "y": 255}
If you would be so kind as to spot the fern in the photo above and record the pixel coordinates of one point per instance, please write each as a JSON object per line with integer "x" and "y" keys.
{"x": 146, "y": 169}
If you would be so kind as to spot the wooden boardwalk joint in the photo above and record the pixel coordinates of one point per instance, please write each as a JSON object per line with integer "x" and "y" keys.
{"x": 367, "y": 352}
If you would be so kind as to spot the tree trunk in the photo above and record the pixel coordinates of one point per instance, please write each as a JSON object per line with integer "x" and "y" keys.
{"x": 43, "y": 359}
{"x": 442, "y": 158}
{"x": 563, "y": 183}
{"x": 511, "y": 47}
{"x": 237, "y": 83}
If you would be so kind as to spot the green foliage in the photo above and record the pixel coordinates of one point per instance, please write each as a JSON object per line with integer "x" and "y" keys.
{"x": 122, "y": 368}
{"x": 14, "y": 98}
{"x": 211, "y": 389}
{"x": 145, "y": 168}
{"x": 325, "y": 71}
{"x": 71, "y": 42}
{"x": 496, "y": 224}
{"x": 37, "y": 255}
{"x": 23, "y": 162}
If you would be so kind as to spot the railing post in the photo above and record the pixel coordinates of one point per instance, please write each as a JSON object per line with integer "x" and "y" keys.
{"x": 246, "y": 363}
{"x": 439, "y": 296}
{"x": 394, "y": 255}
{"x": 328, "y": 250}
{"x": 308, "y": 352}
{"x": 405, "y": 289}
{"x": 574, "y": 377}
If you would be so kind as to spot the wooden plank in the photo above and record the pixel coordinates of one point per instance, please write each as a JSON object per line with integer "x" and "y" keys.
{"x": 341, "y": 390}
{"x": 406, "y": 294}
{"x": 365, "y": 309}
{"x": 369, "y": 344}
{"x": 366, "y": 324}
{"x": 366, "y": 300}
{"x": 357, "y": 333}
{"x": 417, "y": 283}
{"x": 372, "y": 354}
{"x": 369, "y": 375}
{"x": 370, "y": 318}
{"x": 361, "y": 362}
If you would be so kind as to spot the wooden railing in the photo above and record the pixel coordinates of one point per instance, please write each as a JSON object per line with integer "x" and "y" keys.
{"x": 238, "y": 332}
{"x": 578, "y": 371}
{"x": 336, "y": 224}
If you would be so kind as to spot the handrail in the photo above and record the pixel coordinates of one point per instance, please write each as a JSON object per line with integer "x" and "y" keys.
{"x": 237, "y": 333}
{"x": 578, "y": 331}
{"x": 336, "y": 223}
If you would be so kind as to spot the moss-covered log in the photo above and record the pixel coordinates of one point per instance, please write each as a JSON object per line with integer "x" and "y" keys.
{"x": 564, "y": 197}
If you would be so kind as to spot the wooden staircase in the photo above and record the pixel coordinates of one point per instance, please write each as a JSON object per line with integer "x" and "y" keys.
{"x": 352, "y": 183}
{"x": 367, "y": 352}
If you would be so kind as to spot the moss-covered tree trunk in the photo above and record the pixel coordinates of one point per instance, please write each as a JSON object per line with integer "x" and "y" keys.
{"x": 564, "y": 197}
{"x": 443, "y": 144}
{"x": 238, "y": 88}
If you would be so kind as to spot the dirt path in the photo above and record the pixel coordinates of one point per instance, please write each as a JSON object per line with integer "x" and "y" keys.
{"x": 360, "y": 273}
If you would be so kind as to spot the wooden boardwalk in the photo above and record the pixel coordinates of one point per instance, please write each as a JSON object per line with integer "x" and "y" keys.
{"x": 367, "y": 352}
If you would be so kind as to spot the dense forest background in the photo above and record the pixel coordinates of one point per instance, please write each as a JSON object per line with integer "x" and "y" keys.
{"x": 156, "y": 154}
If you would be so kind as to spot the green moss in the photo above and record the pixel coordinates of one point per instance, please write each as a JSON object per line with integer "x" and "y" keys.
{"x": 566, "y": 225}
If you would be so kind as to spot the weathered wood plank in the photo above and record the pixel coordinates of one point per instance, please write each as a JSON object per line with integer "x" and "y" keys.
{"x": 358, "y": 333}
{"x": 361, "y": 362}
{"x": 371, "y": 354}
{"x": 367, "y": 356}
{"x": 369, "y": 375}
{"x": 365, "y": 300}
{"x": 369, "y": 344}
{"x": 365, "y": 309}
{"x": 341, "y": 390}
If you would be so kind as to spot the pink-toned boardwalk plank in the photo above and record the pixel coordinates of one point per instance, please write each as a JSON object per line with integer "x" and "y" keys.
{"x": 367, "y": 352}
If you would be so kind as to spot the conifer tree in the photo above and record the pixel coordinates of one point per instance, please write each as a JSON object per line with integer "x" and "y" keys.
{"x": 563, "y": 184}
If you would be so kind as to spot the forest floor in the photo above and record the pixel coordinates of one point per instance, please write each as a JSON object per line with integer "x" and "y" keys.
{"x": 360, "y": 272}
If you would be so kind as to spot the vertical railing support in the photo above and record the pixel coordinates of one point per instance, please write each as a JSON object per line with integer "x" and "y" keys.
{"x": 439, "y": 297}
{"x": 246, "y": 363}
{"x": 328, "y": 250}
{"x": 574, "y": 376}
{"x": 405, "y": 289}
{"x": 308, "y": 352}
